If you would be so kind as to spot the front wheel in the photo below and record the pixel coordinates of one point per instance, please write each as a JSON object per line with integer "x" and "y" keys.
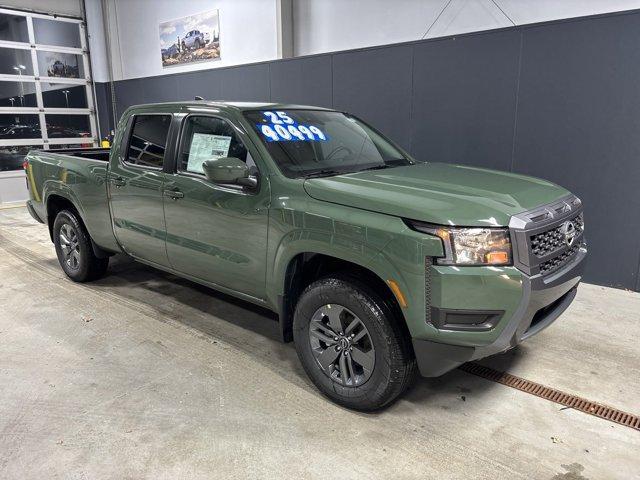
{"x": 74, "y": 250}
{"x": 351, "y": 344}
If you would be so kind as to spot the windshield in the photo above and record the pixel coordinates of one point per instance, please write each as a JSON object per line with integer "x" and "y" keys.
{"x": 308, "y": 143}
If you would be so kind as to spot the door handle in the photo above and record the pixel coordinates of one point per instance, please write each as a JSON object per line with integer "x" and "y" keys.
{"x": 173, "y": 194}
{"x": 117, "y": 181}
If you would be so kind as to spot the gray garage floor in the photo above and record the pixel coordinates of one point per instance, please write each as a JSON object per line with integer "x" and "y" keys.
{"x": 144, "y": 375}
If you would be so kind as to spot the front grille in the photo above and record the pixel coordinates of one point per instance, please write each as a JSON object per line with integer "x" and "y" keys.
{"x": 552, "y": 240}
{"x": 547, "y": 238}
{"x": 558, "y": 262}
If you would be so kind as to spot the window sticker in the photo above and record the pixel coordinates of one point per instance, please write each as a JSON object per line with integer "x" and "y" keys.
{"x": 205, "y": 146}
{"x": 282, "y": 128}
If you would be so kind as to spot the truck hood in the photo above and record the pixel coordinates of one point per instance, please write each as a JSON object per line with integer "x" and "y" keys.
{"x": 438, "y": 193}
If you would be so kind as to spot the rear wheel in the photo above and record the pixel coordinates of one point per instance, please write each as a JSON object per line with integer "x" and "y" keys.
{"x": 74, "y": 250}
{"x": 351, "y": 345}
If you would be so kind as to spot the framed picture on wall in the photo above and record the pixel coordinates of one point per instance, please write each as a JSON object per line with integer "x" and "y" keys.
{"x": 195, "y": 38}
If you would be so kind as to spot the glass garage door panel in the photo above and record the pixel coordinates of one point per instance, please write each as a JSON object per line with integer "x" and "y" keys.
{"x": 61, "y": 65}
{"x": 16, "y": 126}
{"x": 58, "y": 95}
{"x": 15, "y": 61}
{"x": 18, "y": 94}
{"x": 52, "y": 32}
{"x": 13, "y": 28}
{"x": 68, "y": 126}
{"x": 46, "y": 100}
{"x": 11, "y": 158}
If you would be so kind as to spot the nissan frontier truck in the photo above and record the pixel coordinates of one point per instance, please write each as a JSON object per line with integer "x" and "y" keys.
{"x": 379, "y": 265}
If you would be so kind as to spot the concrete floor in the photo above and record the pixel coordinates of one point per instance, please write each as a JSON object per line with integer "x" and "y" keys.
{"x": 145, "y": 375}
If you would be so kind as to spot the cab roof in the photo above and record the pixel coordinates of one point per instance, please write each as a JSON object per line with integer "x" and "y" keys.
{"x": 229, "y": 106}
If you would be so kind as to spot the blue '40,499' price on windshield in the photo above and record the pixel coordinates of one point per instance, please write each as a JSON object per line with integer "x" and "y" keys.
{"x": 283, "y": 128}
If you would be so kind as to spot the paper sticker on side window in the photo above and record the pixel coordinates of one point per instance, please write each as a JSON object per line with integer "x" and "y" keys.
{"x": 280, "y": 127}
{"x": 205, "y": 146}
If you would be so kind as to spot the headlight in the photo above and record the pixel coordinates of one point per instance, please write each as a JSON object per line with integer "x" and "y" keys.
{"x": 470, "y": 246}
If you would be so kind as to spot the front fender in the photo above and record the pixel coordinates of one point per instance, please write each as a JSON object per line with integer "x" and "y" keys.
{"x": 382, "y": 244}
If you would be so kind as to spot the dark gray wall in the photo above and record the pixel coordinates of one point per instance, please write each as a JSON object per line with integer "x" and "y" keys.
{"x": 559, "y": 100}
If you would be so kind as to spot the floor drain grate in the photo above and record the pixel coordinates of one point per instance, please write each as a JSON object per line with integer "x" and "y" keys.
{"x": 566, "y": 399}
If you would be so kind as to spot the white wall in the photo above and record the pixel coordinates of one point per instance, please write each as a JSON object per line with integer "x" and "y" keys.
{"x": 97, "y": 41}
{"x": 248, "y": 33}
{"x": 330, "y": 25}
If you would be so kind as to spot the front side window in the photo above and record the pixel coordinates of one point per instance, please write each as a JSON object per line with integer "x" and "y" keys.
{"x": 148, "y": 140}
{"x": 208, "y": 138}
{"x": 322, "y": 143}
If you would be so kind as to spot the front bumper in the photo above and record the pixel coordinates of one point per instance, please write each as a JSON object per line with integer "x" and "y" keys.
{"x": 542, "y": 301}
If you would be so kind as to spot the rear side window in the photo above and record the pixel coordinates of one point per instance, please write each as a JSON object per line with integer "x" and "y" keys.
{"x": 209, "y": 138}
{"x": 148, "y": 140}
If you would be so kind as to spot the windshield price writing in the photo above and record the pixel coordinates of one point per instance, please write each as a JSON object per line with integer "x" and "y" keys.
{"x": 283, "y": 128}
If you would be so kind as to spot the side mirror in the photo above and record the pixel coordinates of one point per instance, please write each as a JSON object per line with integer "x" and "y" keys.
{"x": 229, "y": 170}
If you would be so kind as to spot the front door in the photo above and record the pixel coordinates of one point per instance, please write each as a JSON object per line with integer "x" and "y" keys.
{"x": 136, "y": 183}
{"x": 216, "y": 233}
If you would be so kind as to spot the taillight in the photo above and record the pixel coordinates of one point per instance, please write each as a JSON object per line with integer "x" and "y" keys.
{"x": 25, "y": 164}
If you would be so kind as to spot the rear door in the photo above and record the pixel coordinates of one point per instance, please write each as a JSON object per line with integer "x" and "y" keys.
{"x": 217, "y": 233}
{"x": 136, "y": 180}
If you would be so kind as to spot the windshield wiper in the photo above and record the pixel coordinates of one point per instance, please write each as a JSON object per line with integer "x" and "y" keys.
{"x": 327, "y": 172}
{"x": 375, "y": 167}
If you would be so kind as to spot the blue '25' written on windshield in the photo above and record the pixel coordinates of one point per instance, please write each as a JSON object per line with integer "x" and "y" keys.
{"x": 283, "y": 128}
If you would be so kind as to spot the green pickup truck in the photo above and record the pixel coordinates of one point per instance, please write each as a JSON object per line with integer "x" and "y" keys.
{"x": 377, "y": 264}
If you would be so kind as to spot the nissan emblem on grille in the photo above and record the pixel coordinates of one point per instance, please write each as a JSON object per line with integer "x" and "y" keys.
{"x": 568, "y": 229}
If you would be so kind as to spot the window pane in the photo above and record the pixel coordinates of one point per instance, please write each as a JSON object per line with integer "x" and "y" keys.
{"x": 11, "y": 158}
{"x": 18, "y": 94}
{"x": 17, "y": 126}
{"x": 13, "y": 28}
{"x": 67, "y": 126}
{"x": 58, "y": 95}
{"x": 52, "y": 32}
{"x": 148, "y": 140}
{"x": 14, "y": 61}
{"x": 208, "y": 138}
{"x": 56, "y": 64}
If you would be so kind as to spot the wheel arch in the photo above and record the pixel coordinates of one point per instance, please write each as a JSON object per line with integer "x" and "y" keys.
{"x": 54, "y": 204}
{"x": 305, "y": 267}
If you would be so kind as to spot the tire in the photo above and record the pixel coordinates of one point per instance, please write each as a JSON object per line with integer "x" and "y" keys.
{"x": 74, "y": 250}
{"x": 196, "y": 44}
{"x": 380, "y": 363}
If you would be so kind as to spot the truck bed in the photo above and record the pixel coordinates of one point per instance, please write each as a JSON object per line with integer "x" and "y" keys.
{"x": 101, "y": 154}
{"x": 73, "y": 173}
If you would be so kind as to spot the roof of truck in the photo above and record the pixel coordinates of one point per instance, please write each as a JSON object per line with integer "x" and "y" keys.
{"x": 232, "y": 105}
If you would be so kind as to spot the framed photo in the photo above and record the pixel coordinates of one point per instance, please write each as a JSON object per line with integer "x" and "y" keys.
{"x": 195, "y": 38}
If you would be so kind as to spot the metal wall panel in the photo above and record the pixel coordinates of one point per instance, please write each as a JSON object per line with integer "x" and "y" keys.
{"x": 104, "y": 107}
{"x": 305, "y": 81}
{"x": 578, "y": 124}
{"x": 464, "y": 97}
{"x": 206, "y": 84}
{"x": 376, "y": 86}
{"x": 247, "y": 83}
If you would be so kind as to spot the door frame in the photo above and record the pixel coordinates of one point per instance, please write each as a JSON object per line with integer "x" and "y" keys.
{"x": 180, "y": 120}
{"x": 119, "y": 160}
